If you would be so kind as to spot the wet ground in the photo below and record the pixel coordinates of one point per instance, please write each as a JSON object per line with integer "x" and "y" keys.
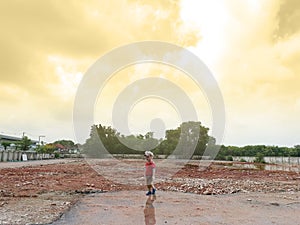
{"x": 263, "y": 166}
{"x": 133, "y": 207}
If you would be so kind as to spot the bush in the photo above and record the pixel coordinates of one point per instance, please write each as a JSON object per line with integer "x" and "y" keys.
{"x": 259, "y": 158}
{"x": 243, "y": 160}
{"x": 229, "y": 158}
{"x": 220, "y": 157}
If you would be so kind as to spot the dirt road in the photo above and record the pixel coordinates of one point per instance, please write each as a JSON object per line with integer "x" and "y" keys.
{"x": 35, "y": 163}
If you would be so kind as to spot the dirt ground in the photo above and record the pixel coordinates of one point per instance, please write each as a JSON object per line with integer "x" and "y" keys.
{"x": 41, "y": 192}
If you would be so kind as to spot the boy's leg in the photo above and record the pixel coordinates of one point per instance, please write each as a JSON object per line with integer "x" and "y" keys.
{"x": 149, "y": 190}
{"x": 153, "y": 189}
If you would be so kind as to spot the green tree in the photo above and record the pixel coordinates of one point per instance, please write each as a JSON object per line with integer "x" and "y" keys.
{"x": 48, "y": 148}
{"x": 67, "y": 143}
{"x": 297, "y": 147}
{"x": 92, "y": 147}
{"x": 188, "y": 139}
{"x": 6, "y": 144}
{"x": 171, "y": 141}
{"x": 25, "y": 143}
{"x": 149, "y": 142}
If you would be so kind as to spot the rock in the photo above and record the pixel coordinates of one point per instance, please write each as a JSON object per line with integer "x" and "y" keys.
{"x": 274, "y": 203}
{"x": 207, "y": 192}
{"x": 3, "y": 203}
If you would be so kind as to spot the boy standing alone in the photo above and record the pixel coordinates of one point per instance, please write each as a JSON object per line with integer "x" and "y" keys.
{"x": 149, "y": 172}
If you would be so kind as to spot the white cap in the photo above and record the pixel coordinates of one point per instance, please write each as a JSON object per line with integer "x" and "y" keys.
{"x": 148, "y": 153}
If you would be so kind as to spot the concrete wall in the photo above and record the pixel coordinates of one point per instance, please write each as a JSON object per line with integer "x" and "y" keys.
{"x": 272, "y": 160}
{"x": 9, "y": 156}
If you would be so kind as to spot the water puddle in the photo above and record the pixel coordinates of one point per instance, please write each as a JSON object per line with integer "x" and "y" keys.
{"x": 270, "y": 167}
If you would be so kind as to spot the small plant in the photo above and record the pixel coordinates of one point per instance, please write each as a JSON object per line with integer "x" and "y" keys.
{"x": 56, "y": 155}
{"x": 259, "y": 158}
{"x": 260, "y": 166}
{"x": 243, "y": 160}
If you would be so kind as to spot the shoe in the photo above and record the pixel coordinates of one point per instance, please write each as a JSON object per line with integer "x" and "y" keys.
{"x": 148, "y": 193}
{"x": 153, "y": 191}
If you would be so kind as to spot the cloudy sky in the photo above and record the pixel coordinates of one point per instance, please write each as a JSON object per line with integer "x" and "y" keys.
{"x": 252, "y": 47}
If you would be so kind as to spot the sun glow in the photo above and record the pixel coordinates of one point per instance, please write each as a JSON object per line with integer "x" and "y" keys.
{"x": 211, "y": 19}
{"x": 68, "y": 75}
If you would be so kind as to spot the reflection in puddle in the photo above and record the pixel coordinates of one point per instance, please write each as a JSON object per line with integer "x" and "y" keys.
{"x": 149, "y": 211}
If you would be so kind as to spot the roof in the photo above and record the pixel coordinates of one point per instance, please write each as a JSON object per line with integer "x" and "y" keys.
{"x": 4, "y": 137}
{"x": 9, "y": 138}
{"x": 60, "y": 146}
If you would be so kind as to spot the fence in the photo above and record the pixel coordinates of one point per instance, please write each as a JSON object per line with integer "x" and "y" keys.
{"x": 9, "y": 156}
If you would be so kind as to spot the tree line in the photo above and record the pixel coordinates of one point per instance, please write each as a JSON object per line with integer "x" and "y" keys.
{"x": 26, "y": 144}
{"x": 190, "y": 138}
{"x": 258, "y": 151}
{"x": 187, "y": 139}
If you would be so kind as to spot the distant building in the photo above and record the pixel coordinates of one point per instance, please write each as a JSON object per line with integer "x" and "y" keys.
{"x": 13, "y": 139}
{"x": 60, "y": 148}
{"x": 7, "y": 138}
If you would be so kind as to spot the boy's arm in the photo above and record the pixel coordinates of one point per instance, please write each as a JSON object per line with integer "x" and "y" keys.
{"x": 153, "y": 172}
